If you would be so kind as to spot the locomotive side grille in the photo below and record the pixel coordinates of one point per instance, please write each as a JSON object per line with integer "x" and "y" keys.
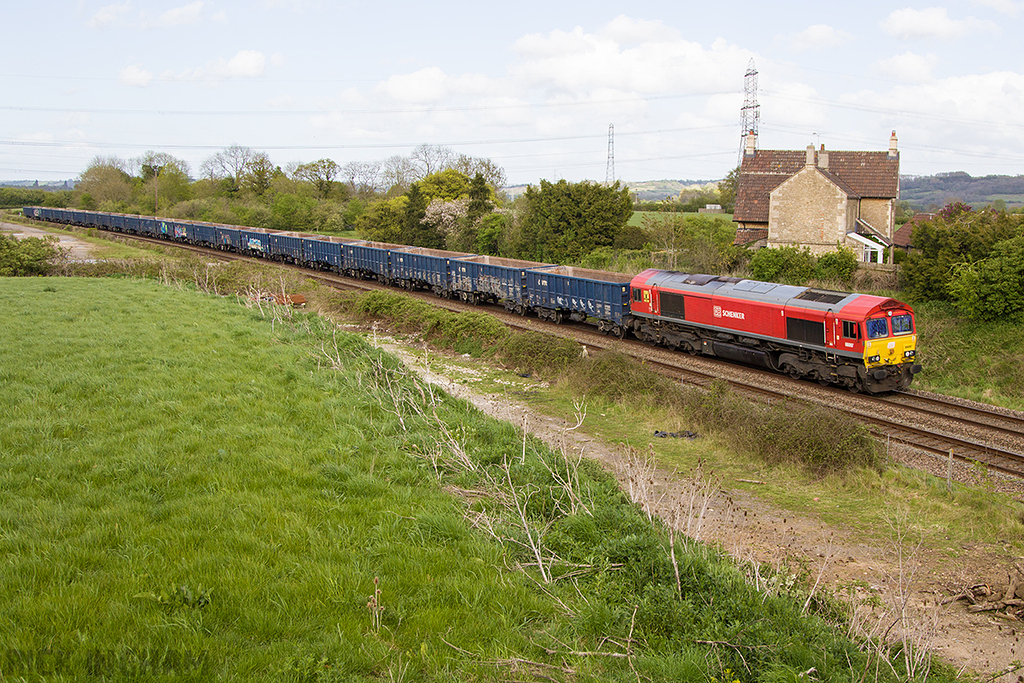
{"x": 808, "y": 331}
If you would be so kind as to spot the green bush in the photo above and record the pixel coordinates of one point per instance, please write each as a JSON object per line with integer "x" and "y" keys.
{"x": 837, "y": 266}
{"x": 29, "y": 256}
{"x": 783, "y": 264}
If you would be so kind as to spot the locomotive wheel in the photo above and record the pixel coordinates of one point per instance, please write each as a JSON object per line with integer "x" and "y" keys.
{"x": 792, "y": 371}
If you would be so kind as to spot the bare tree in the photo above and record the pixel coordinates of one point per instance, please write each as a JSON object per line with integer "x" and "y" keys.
{"x": 430, "y": 159}
{"x": 362, "y": 176}
{"x": 230, "y": 163}
{"x": 399, "y": 173}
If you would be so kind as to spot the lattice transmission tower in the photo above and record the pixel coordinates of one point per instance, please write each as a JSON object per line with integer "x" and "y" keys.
{"x": 750, "y": 114}
{"x": 609, "y": 171}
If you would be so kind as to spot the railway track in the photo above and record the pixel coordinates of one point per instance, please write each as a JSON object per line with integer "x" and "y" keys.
{"x": 963, "y": 430}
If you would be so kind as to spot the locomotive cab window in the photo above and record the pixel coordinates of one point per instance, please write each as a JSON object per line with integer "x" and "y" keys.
{"x": 637, "y": 294}
{"x": 851, "y": 330}
{"x": 901, "y": 324}
{"x": 877, "y": 328}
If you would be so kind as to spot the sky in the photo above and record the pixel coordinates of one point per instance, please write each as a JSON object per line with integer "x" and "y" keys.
{"x": 536, "y": 87}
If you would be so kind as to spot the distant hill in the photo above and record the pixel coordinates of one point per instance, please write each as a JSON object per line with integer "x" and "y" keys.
{"x": 40, "y": 185}
{"x": 645, "y": 190}
{"x": 930, "y": 193}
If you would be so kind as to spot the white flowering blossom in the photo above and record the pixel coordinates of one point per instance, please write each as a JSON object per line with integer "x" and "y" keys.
{"x": 445, "y": 216}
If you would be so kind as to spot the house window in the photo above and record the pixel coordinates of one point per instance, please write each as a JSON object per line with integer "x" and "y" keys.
{"x": 851, "y": 330}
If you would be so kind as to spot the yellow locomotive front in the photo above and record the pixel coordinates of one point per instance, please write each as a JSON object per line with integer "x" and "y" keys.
{"x": 890, "y": 346}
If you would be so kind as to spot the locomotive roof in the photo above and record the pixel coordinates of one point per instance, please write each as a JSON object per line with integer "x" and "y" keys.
{"x": 749, "y": 290}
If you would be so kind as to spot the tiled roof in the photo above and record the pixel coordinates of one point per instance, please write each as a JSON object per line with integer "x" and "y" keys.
{"x": 748, "y": 235}
{"x": 863, "y": 174}
{"x": 902, "y": 237}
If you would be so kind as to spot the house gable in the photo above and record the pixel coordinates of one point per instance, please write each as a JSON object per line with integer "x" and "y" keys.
{"x": 810, "y": 209}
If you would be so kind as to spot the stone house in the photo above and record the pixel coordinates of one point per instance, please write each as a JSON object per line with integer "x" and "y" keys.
{"x": 818, "y": 199}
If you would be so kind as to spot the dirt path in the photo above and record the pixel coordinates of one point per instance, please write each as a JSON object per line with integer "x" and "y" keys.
{"x": 751, "y": 530}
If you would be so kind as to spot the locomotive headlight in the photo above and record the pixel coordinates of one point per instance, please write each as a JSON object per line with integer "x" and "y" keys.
{"x": 909, "y": 354}
{"x": 874, "y": 359}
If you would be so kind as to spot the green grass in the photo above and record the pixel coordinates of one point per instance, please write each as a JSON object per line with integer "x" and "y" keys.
{"x": 192, "y": 489}
{"x": 980, "y": 361}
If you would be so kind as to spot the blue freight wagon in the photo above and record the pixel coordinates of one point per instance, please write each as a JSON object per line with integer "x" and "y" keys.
{"x": 420, "y": 267}
{"x": 228, "y": 238}
{"x": 31, "y": 212}
{"x": 133, "y": 224}
{"x": 203, "y": 234}
{"x": 323, "y": 253}
{"x": 255, "y": 242}
{"x": 370, "y": 260}
{"x": 559, "y": 292}
{"x": 285, "y": 246}
{"x": 493, "y": 278}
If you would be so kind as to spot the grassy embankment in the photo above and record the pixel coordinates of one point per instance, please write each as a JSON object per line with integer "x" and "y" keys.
{"x": 195, "y": 490}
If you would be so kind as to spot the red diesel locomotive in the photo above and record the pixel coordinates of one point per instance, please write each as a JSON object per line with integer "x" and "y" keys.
{"x": 858, "y": 341}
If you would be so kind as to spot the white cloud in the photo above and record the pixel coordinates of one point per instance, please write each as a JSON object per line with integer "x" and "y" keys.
{"x": 908, "y": 67}
{"x": 178, "y": 16}
{"x": 933, "y": 22}
{"x": 109, "y": 15}
{"x": 620, "y": 57}
{"x": 245, "y": 64}
{"x": 816, "y": 37}
{"x": 135, "y": 75}
{"x": 220, "y": 17}
{"x": 123, "y": 15}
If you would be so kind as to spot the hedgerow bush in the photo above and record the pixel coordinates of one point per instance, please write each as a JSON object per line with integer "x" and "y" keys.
{"x": 29, "y": 256}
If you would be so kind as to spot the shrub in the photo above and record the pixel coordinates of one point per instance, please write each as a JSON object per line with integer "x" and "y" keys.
{"x": 784, "y": 264}
{"x": 29, "y": 256}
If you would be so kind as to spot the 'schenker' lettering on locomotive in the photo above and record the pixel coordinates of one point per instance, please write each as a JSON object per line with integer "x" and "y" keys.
{"x": 723, "y": 313}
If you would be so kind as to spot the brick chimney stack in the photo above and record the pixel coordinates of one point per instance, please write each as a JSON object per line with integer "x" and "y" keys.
{"x": 892, "y": 146}
{"x": 750, "y": 147}
{"x": 823, "y": 159}
{"x": 810, "y": 155}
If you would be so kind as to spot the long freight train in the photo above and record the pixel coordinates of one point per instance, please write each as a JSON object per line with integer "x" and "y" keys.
{"x": 858, "y": 341}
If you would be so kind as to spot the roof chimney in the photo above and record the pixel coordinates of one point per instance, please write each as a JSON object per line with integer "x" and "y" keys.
{"x": 823, "y": 159}
{"x": 751, "y": 144}
{"x": 892, "y": 146}
{"x": 810, "y": 155}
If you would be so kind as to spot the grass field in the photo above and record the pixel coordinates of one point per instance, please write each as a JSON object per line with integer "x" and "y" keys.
{"x": 194, "y": 489}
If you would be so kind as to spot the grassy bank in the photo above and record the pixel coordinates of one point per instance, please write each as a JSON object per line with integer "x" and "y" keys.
{"x": 193, "y": 489}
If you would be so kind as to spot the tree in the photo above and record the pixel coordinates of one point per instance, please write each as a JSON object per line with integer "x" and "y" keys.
{"x": 363, "y": 177}
{"x": 165, "y": 181}
{"x": 430, "y": 159}
{"x": 382, "y": 221}
{"x": 415, "y": 229}
{"x": 321, "y": 173}
{"x": 106, "y": 180}
{"x": 563, "y": 221}
{"x": 229, "y": 164}
{"x": 446, "y": 185}
{"x": 992, "y": 289}
{"x": 957, "y": 235}
{"x": 727, "y": 190}
{"x": 258, "y": 173}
